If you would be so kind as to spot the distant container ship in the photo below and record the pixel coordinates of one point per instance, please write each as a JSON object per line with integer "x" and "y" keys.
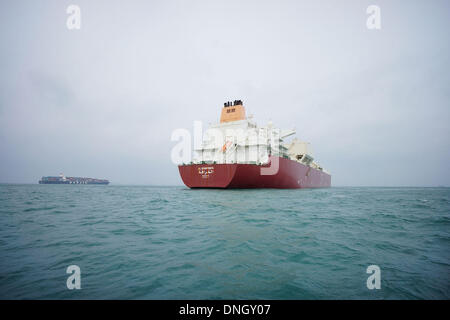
{"x": 236, "y": 153}
{"x": 61, "y": 179}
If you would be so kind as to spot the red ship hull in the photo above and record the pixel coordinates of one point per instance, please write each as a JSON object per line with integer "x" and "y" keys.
{"x": 290, "y": 175}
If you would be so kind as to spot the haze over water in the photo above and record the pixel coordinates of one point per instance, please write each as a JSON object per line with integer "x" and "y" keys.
{"x": 136, "y": 242}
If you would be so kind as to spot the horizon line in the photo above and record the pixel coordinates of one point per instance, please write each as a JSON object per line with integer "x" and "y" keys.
{"x": 182, "y": 185}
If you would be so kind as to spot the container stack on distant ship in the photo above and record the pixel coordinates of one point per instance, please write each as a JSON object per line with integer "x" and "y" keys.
{"x": 61, "y": 179}
{"x": 249, "y": 156}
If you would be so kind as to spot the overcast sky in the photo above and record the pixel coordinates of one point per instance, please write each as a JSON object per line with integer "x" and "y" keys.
{"x": 103, "y": 101}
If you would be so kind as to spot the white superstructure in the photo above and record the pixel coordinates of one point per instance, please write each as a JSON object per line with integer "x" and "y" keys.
{"x": 237, "y": 139}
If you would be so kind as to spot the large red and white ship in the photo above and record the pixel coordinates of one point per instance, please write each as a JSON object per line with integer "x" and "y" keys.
{"x": 236, "y": 153}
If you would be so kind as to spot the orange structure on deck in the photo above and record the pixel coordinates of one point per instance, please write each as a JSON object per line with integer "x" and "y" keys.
{"x": 232, "y": 111}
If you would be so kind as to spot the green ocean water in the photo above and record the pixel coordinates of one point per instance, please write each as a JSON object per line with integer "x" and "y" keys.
{"x": 138, "y": 242}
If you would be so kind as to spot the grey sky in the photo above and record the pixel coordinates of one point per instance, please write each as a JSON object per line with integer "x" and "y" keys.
{"x": 102, "y": 101}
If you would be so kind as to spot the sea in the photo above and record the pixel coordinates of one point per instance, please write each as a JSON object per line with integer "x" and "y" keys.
{"x": 149, "y": 242}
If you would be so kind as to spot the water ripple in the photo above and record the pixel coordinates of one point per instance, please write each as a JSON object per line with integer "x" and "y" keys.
{"x": 176, "y": 243}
